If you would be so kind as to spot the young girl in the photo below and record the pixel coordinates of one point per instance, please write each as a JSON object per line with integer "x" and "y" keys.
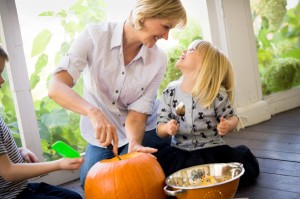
{"x": 197, "y": 111}
{"x": 20, "y": 164}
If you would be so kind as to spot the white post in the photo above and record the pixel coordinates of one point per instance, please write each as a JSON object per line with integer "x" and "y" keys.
{"x": 18, "y": 78}
{"x": 231, "y": 29}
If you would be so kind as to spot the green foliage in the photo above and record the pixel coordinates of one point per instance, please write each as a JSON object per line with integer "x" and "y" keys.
{"x": 7, "y": 112}
{"x": 281, "y": 75}
{"x": 40, "y": 42}
{"x": 277, "y": 41}
{"x": 274, "y": 11}
{"x": 184, "y": 37}
{"x": 54, "y": 122}
{"x": 40, "y": 64}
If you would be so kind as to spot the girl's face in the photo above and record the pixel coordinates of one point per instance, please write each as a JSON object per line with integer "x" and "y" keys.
{"x": 153, "y": 30}
{"x": 190, "y": 60}
{"x": 2, "y": 64}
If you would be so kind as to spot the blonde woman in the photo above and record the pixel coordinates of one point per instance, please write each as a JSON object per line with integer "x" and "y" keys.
{"x": 197, "y": 111}
{"x": 122, "y": 68}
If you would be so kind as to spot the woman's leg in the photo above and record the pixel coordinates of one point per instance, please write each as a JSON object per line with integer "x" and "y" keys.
{"x": 46, "y": 191}
{"x": 123, "y": 149}
{"x": 93, "y": 154}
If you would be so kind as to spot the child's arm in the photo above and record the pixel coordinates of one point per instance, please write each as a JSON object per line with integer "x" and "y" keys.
{"x": 227, "y": 125}
{"x": 168, "y": 129}
{"x": 23, "y": 171}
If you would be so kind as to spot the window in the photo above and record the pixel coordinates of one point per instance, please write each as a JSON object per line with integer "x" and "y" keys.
{"x": 276, "y": 26}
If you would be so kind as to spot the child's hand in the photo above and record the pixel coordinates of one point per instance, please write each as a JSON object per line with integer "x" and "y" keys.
{"x": 28, "y": 155}
{"x": 172, "y": 127}
{"x": 70, "y": 163}
{"x": 224, "y": 127}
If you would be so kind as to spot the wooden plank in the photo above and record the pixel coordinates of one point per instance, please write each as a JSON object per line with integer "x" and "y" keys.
{"x": 266, "y": 150}
{"x": 279, "y": 167}
{"x": 271, "y": 129}
{"x": 289, "y": 118}
{"x": 265, "y": 145}
{"x": 279, "y": 182}
{"x": 276, "y": 155}
{"x": 254, "y": 135}
{"x": 254, "y": 192}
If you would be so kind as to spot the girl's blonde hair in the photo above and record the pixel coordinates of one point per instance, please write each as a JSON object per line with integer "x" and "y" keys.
{"x": 215, "y": 72}
{"x": 172, "y": 10}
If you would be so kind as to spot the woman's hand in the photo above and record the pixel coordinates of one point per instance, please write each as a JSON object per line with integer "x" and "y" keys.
{"x": 28, "y": 156}
{"x": 105, "y": 131}
{"x": 139, "y": 148}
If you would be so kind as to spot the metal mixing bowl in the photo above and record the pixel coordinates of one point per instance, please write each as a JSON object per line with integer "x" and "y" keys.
{"x": 208, "y": 181}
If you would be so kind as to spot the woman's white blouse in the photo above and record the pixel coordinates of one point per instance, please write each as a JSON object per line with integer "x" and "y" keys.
{"x": 110, "y": 85}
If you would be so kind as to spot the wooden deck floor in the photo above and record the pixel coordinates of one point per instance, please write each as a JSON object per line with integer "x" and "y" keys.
{"x": 276, "y": 144}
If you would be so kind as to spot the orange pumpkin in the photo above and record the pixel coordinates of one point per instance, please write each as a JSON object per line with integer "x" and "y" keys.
{"x": 137, "y": 175}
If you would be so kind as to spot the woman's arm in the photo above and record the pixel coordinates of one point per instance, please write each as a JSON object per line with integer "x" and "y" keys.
{"x": 135, "y": 125}
{"x": 61, "y": 92}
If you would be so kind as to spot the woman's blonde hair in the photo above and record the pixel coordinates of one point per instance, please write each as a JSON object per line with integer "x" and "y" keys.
{"x": 172, "y": 10}
{"x": 216, "y": 71}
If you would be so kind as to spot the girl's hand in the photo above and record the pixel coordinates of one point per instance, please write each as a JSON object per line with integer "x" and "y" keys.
{"x": 28, "y": 156}
{"x": 172, "y": 127}
{"x": 70, "y": 163}
{"x": 224, "y": 126}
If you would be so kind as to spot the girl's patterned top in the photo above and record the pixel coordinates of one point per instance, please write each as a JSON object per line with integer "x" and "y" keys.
{"x": 198, "y": 127}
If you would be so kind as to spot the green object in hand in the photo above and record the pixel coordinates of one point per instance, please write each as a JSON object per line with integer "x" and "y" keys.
{"x": 65, "y": 150}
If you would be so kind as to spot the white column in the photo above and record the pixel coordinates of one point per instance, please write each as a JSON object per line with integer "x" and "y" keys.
{"x": 18, "y": 78}
{"x": 230, "y": 28}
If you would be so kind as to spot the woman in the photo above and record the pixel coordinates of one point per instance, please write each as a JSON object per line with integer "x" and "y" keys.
{"x": 122, "y": 68}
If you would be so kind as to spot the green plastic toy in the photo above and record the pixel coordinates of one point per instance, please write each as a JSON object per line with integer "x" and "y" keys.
{"x": 65, "y": 150}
